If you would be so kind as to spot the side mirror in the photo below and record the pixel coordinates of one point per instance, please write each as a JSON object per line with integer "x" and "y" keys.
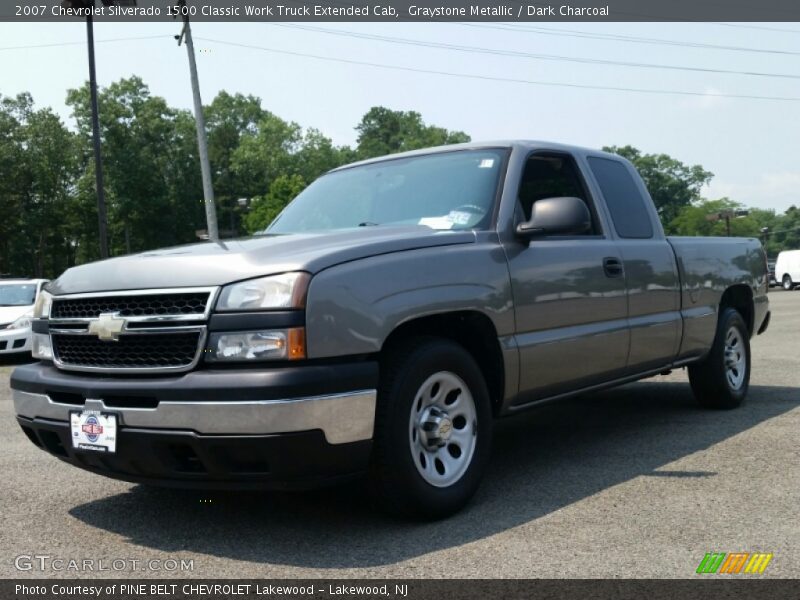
{"x": 564, "y": 215}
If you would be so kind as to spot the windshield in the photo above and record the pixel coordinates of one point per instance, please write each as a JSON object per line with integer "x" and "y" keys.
{"x": 17, "y": 294}
{"x": 449, "y": 190}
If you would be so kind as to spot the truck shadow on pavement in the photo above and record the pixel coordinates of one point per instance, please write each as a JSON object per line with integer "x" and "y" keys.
{"x": 543, "y": 461}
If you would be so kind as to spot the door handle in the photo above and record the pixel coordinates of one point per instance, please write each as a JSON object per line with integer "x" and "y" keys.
{"x": 612, "y": 266}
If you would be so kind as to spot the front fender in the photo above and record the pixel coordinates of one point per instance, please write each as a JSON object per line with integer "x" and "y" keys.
{"x": 353, "y": 307}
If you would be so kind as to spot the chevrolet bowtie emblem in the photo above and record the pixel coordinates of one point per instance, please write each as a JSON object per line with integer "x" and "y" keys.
{"x": 108, "y": 326}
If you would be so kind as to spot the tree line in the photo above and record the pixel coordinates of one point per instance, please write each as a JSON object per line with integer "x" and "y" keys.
{"x": 259, "y": 162}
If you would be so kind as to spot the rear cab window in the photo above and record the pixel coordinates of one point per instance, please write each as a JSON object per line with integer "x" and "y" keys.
{"x": 626, "y": 204}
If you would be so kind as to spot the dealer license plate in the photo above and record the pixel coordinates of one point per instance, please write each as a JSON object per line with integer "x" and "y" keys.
{"x": 94, "y": 431}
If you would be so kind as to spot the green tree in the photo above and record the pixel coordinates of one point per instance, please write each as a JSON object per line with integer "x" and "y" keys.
{"x": 229, "y": 120}
{"x": 277, "y": 150}
{"x": 694, "y": 219}
{"x": 266, "y": 154}
{"x": 385, "y": 131}
{"x": 785, "y": 233}
{"x": 317, "y": 155}
{"x": 265, "y": 208}
{"x": 671, "y": 183}
{"x": 37, "y": 172}
{"x": 13, "y": 183}
{"x": 149, "y": 162}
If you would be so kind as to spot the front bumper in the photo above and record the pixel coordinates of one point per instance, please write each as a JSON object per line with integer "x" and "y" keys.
{"x": 282, "y": 427}
{"x": 15, "y": 340}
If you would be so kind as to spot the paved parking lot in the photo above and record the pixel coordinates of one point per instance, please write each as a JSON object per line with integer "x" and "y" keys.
{"x": 634, "y": 482}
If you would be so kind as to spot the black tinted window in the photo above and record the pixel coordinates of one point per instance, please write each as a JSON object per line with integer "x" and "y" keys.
{"x": 625, "y": 203}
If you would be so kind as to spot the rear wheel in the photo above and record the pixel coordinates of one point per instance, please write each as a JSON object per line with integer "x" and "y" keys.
{"x": 788, "y": 284}
{"x": 722, "y": 379}
{"x": 433, "y": 429}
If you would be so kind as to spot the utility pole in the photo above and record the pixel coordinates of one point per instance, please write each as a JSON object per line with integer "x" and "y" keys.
{"x": 87, "y": 7}
{"x": 200, "y": 121}
{"x": 102, "y": 212}
{"x": 727, "y": 215}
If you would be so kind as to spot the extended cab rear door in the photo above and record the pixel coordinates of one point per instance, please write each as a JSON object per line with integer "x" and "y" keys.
{"x": 651, "y": 273}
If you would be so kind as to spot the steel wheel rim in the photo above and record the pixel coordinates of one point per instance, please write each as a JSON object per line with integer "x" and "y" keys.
{"x": 735, "y": 358}
{"x": 443, "y": 429}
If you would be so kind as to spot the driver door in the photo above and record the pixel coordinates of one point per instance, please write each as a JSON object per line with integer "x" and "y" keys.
{"x": 569, "y": 292}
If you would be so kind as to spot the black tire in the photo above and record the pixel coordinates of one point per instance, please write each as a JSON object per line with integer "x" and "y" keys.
{"x": 397, "y": 484}
{"x": 713, "y": 383}
{"x": 787, "y": 283}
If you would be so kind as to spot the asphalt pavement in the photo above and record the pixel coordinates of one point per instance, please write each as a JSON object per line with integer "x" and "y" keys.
{"x": 632, "y": 482}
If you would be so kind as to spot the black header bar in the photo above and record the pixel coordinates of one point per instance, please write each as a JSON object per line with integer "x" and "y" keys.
{"x": 413, "y": 10}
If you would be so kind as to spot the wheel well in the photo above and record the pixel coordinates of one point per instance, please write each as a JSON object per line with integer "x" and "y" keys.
{"x": 740, "y": 297}
{"x": 472, "y": 330}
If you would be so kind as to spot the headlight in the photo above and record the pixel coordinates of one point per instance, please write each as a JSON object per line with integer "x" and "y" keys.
{"x": 41, "y": 310}
{"x": 277, "y": 291}
{"x": 41, "y": 348}
{"x": 23, "y": 322}
{"x": 275, "y": 344}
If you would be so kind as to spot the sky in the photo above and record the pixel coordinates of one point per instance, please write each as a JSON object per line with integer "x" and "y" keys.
{"x": 751, "y": 145}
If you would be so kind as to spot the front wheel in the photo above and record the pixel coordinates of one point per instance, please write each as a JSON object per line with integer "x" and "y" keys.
{"x": 433, "y": 429}
{"x": 721, "y": 380}
{"x": 788, "y": 284}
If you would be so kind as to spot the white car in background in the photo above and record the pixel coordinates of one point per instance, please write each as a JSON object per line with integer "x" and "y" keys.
{"x": 787, "y": 269}
{"x": 17, "y": 297}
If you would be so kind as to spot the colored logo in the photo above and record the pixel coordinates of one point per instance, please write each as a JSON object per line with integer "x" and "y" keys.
{"x": 734, "y": 563}
{"x": 92, "y": 428}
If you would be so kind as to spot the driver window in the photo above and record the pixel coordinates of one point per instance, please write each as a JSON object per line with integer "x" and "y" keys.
{"x": 550, "y": 176}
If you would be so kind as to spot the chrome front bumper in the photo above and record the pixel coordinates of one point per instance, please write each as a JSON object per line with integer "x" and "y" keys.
{"x": 343, "y": 417}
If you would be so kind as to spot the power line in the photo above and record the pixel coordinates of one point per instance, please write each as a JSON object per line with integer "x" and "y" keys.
{"x": 430, "y": 71}
{"x": 616, "y": 37}
{"x": 794, "y": 228}
{"x": 760, "y": 27}
{"x": 83, "y": 43}
{"x": 516, "y": 28}
{"x": 517, "y": 54}
{"x": 494, "y": 78}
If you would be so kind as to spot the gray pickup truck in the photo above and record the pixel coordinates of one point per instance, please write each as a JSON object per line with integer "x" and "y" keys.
{"x": 382, "y": 322}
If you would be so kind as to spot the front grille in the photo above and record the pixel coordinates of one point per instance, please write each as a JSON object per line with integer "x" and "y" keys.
{"x": 149, "y": 351}
{"x": 158, "y": 330}
{"x": 186, "y": 303}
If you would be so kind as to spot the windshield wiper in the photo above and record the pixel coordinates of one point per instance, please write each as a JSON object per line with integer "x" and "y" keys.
{"x": 368, "y": 224}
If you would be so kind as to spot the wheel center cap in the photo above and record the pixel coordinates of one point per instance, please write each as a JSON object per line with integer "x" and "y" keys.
{"x": 435, "y": 428}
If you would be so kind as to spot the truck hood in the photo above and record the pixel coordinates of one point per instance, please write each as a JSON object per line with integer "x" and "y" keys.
{"x": 209, "y": 263}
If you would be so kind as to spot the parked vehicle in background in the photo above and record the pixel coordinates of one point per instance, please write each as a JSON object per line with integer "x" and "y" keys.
{"x": 773, "y": 282}
{"x": 17, "y": 299}
{"x": 787, "y": 269}
{"x": 381, "y": 323}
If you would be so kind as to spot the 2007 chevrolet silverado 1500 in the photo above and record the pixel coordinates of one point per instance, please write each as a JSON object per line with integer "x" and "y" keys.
{"x": 380, "y": 324}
